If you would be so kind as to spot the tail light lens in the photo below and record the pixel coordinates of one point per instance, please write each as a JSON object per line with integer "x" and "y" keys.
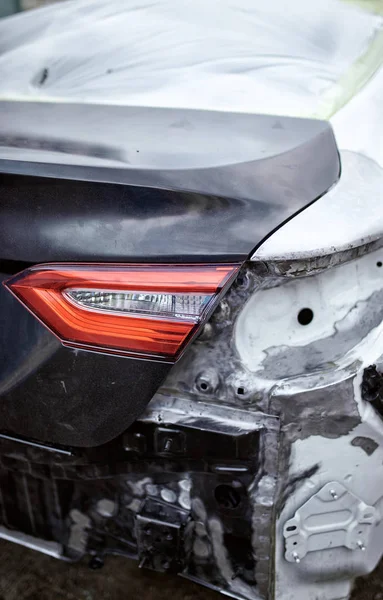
{"x": 127, "y": 309}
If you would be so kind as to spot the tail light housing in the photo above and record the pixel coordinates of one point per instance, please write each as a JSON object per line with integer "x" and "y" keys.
{"x": 139, "y": 310}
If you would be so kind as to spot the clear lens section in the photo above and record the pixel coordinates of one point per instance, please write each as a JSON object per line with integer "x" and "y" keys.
{"x": 180, "y": 306}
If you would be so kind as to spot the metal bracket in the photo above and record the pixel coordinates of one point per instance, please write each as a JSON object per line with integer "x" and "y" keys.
{"x": 159, "y": 531}
{"x": 333, "y": 517}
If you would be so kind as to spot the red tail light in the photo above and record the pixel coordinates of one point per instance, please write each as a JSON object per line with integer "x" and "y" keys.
{"x": 129, "y": 309}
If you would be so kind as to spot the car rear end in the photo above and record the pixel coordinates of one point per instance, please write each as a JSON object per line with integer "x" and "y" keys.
{"x": 190, "y": 325}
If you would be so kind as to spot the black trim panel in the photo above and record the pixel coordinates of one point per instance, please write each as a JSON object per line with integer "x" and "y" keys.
{"x": 63, "y": 396}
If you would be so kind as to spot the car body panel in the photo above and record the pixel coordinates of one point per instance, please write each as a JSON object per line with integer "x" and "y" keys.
{"x": 178, "y": 201}
{"x": 252, "y": 465}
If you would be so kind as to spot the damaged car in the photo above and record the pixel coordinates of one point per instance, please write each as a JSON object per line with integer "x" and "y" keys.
{"x": 191, "y": 337}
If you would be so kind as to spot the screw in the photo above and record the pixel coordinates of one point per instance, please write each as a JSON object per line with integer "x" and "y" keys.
{"x": 361, "y": 546}
{"x": 296, "y": 557}
{"x": 333, "y": 494}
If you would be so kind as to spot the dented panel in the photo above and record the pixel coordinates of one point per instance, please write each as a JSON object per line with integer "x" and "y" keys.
{"x": 264, "y": 414}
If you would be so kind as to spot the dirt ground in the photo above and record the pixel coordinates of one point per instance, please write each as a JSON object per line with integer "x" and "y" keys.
{"x": 27, "y": 575}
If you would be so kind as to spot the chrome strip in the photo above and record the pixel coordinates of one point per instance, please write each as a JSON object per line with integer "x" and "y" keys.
{"x": 50, "y": 548}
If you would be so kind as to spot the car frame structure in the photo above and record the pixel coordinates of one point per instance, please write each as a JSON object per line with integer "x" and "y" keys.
{"x": 191, "y": 337}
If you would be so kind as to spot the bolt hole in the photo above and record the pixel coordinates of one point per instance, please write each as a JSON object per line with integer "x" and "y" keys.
{"x": 295, "y": 543}
{"x": 305, "y": 316}
{"x": 241, "y": 391}
{"x": 204, "y": 386}
{"x": 226, "y": 496}
{"x": 243, "y": 281}
{"x": 379, "y": 264}
{"x": 291, "y": 528}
